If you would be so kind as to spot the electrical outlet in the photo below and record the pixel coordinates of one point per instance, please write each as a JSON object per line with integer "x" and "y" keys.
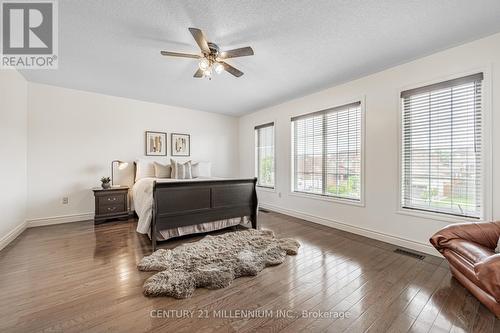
{"x": 65, "y": 200}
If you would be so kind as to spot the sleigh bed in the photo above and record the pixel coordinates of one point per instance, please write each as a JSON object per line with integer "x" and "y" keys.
{"x": 167, "y": 208}
{"x": 188, "y": 203}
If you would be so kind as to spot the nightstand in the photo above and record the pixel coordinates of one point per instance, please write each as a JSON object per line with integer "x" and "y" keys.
{"x": 110, "y": 203}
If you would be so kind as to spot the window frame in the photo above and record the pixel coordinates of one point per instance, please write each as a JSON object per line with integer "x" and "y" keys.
{"x": 322, "y": 197}
{"x": 256, "y": 155}
{"x": 486, "y": 158}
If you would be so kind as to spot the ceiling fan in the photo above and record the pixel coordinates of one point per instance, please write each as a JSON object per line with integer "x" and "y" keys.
{"x": 212, "y": 58}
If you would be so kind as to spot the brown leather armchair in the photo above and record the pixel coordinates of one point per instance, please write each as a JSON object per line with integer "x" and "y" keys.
{"x": 470, "y": 251}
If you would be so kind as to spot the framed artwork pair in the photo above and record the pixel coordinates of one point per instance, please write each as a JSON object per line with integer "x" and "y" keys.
{"x": 156, "y": 144}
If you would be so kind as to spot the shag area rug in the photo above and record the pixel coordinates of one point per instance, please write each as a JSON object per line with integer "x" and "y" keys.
{"x": 213, "y": 262}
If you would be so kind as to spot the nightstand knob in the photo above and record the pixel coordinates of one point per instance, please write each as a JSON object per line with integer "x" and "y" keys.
{"x": 111, "y": 209}
{"x": 112, "y": 199}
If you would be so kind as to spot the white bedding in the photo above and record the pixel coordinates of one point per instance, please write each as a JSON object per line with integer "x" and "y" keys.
{"x": 142, "y": 194}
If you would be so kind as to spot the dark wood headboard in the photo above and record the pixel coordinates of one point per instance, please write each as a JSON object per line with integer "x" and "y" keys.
{"x": 178, "y": 204}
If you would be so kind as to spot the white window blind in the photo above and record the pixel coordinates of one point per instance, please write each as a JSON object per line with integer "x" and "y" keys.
{"x": 442, "y": 147}
{"x": 264, "y": 155}
{"x": 327, "y": 152}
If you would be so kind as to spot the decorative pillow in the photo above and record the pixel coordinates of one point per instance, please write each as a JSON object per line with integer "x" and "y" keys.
{"x": 144, "y": 169}
{"x": 204, "y": 169}
{"x": 162, "y": 171}
{"x": 195, "y": 170}
{"x": 181, "y": 170}
{"x": 497, "y": 250}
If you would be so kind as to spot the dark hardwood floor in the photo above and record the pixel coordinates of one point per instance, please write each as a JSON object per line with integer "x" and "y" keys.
{"x": 79, "y": 277}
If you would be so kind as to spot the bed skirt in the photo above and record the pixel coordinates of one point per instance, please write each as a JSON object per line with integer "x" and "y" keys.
{"x": 200, "y": 228}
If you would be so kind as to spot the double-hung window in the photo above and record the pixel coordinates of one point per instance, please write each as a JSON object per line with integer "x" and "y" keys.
{"x": 326, "y": 148}
{"x": 441, "y": 148}
{"x": 264, "y": 155}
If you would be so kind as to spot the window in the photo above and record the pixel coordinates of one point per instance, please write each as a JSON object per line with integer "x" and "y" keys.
{"x": 441, "y": 154}
{"x": 327, "y": 152}
{"x": 264, "y": 155}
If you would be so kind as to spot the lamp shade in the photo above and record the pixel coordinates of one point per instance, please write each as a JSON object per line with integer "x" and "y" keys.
{"x": 121, "y": 165}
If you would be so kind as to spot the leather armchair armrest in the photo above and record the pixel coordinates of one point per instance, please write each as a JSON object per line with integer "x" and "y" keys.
{"x": 483, "y": 233}
{"x": 488, "y": 273}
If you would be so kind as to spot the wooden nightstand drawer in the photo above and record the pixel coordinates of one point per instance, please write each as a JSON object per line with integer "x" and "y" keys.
{"x": 112, "y": 209}
{"x": 112, "y": 199}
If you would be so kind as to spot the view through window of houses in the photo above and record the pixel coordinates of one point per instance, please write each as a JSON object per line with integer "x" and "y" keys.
{"x": 327, "y": 152}
{"x": 442, "y": 147}
{"x": 264, "y": 155}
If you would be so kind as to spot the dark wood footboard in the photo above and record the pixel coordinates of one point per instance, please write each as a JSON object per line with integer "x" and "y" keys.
{"x": 179, "y": 204}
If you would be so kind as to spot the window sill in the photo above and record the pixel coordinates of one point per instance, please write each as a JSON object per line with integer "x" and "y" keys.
{"x": 325, "y": 198}
{"x": 436, "y": 216}
{"x": 266, "y": 189}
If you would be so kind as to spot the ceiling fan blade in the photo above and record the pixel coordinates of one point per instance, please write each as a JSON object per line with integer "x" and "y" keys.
{"x": 230, "y": 69}
{"x": 241, "y": 52}
{"x": 200, "y": 39}
{"x": 198, "y": 73}
{"x": 182, "y": 55}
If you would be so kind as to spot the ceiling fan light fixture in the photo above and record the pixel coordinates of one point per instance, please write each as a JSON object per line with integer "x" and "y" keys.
{"x": 207, "y": 72}
{"x": 204, "y": 64}
{"x": 218, "y": 68}
{"x": 211, "y": 60}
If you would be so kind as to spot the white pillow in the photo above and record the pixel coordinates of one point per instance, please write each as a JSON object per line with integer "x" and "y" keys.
{"x": 181, "y": 170}
{"x": 144, "y": 169}
{"x": 497, "y": 250}
{"x": 162, "y": 171}
{"x": 201, "y": 169}
{"x": 195, "y": 170}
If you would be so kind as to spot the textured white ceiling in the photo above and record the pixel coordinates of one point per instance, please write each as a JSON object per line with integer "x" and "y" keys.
{"x": 113, "y": 47}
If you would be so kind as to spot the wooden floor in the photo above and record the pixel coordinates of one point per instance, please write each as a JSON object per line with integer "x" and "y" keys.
{"x": 79, "y": 277}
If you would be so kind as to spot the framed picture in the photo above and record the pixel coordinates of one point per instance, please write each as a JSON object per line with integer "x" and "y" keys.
{"x": 181, "y": 144}
{"x": 156, "y": 144}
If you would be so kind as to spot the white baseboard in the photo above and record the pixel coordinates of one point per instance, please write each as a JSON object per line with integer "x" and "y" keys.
{"x": 38, "y": 222}
{"x": 410, "y": 244}
{"x": 417, "y": 246}
{"x": 12, "y": 235}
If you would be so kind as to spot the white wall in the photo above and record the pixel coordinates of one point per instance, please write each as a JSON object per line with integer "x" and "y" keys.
{"x": 73, "y": 136}
{"x": 379, "y": 218}
{"x": 13, "y": 125}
